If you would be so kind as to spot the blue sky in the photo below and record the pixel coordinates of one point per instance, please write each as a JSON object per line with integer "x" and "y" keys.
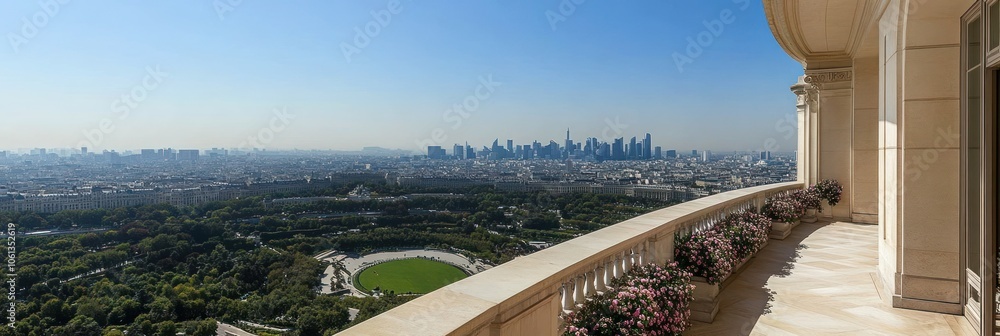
{"x": 210, "y": 78}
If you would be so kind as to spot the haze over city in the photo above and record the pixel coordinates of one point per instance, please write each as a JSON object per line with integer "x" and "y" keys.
{"x": 503, "y": 168}
{"x": 129, "y": 76}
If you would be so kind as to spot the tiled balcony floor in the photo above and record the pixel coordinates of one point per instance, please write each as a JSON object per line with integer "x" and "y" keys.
{"x": 819, "y": 281}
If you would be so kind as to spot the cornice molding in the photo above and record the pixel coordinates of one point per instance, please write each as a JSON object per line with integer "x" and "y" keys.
{"x": 828, "y": 77}
{"x": 785, "y": 23}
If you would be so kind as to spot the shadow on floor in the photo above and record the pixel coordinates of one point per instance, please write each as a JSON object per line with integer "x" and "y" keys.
{"x": 748, "y": 298}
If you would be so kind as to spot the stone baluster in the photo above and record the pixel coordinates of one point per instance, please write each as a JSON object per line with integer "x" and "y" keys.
{"x": 591, "y": 282}
{"x": 618, "y": 266}
{"x": 637, "y": 256}
{"x": 579, "y": 297}
{"x": 639, "y": 251}
{"x": 602, "y": 273}
{"x": 627, "y": 257}
{"x": 655, "y": 257}
{"x": 567, "y": 296}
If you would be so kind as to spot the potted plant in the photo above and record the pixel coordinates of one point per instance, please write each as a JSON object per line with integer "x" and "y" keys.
{"x": 784, "y": 213}
{"x": 746, "y": 231}
{"x": 829, "y": 190}
{"x": 710, "y": 257}
{"x": 649, "y": 300}
{"x": 810, "y": 199}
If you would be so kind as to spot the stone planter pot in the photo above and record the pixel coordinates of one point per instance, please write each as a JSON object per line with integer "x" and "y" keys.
{"x": 781, "y": 230}
{"x": 705, "y": 305}
{"x": 810, "y": 216}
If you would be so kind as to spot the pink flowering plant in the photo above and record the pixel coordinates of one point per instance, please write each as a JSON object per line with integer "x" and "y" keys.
{"x": 747, "y": 232}
{"x": 809, "y": 197}
{"x": 782, "y": 208}
{"x": 706, "y": 254}
{"x": 649, "y": 300}
{"x": 830, "y": 190}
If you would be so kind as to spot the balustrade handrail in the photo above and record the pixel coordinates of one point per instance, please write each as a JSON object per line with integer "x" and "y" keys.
{"x": 530, "y": 294}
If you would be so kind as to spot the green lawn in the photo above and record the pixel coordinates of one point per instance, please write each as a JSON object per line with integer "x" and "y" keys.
{"x": 416, "y": 275}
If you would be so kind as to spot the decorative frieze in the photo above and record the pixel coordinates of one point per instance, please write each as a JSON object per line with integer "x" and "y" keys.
{"x": 826, "y": 77}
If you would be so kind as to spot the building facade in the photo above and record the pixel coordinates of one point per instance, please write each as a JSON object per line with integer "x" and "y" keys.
{"x": 899, "y": 101}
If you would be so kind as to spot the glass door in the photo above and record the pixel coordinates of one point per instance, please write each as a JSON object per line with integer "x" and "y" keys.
{"x": 980, "y": 92}
{"x": 973, "y": 58}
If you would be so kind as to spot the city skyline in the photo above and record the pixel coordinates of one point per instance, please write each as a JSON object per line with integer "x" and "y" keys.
{"x": 637, "y": 142}
{"x": 303, "y": 77}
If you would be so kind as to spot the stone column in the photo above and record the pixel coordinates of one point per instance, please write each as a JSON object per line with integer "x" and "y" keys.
{"x": 825, "y": 112}
{"x": 804, "y": 94}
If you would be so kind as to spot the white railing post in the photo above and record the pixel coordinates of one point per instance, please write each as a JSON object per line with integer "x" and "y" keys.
{"x": 579, "y": 296}
{"x": 567, "y": 297}
{"x": 591, "y": 282}
{"x": 602, "y": 273}
{"x": 618, "y": 266}
{"x": 628, "y": 261}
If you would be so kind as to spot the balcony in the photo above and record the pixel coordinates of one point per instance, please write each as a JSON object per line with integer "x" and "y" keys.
{"x": 821, "y": 278}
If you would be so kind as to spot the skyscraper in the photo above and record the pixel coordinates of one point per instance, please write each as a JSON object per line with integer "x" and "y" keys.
{"x": 647, "y": 145}
{"x": 632, "y": 150}
{"x": 470, "y": 153}
{"x": 570, "y": 147}
{"x": 658, "y": 154}
{"x": 458, "y": 151}
{"x": 618, "y": 150}
{"x": 433, "y": 152}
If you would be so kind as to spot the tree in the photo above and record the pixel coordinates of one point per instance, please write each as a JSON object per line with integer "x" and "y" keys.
{"x": 31, "y": 221}
{"x": 113, "y": 332}
{"x": 161, "y": 309}
{"x": 91, "y": 308}
{"x": 205, "y": 327}
{"x": 166, "y": 328}
{"x": 81, "y": 325}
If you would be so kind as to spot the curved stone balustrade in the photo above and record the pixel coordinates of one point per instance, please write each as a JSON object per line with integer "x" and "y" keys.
{"x": 531, "y": 294}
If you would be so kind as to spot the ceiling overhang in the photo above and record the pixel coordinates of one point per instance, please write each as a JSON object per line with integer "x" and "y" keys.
{"x": 823, "y": 34}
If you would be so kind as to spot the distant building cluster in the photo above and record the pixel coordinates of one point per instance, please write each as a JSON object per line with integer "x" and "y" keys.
{"x": 590, "y": 149}
{"x": 98, "y": 199}
{"x": 48, "y": 181}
